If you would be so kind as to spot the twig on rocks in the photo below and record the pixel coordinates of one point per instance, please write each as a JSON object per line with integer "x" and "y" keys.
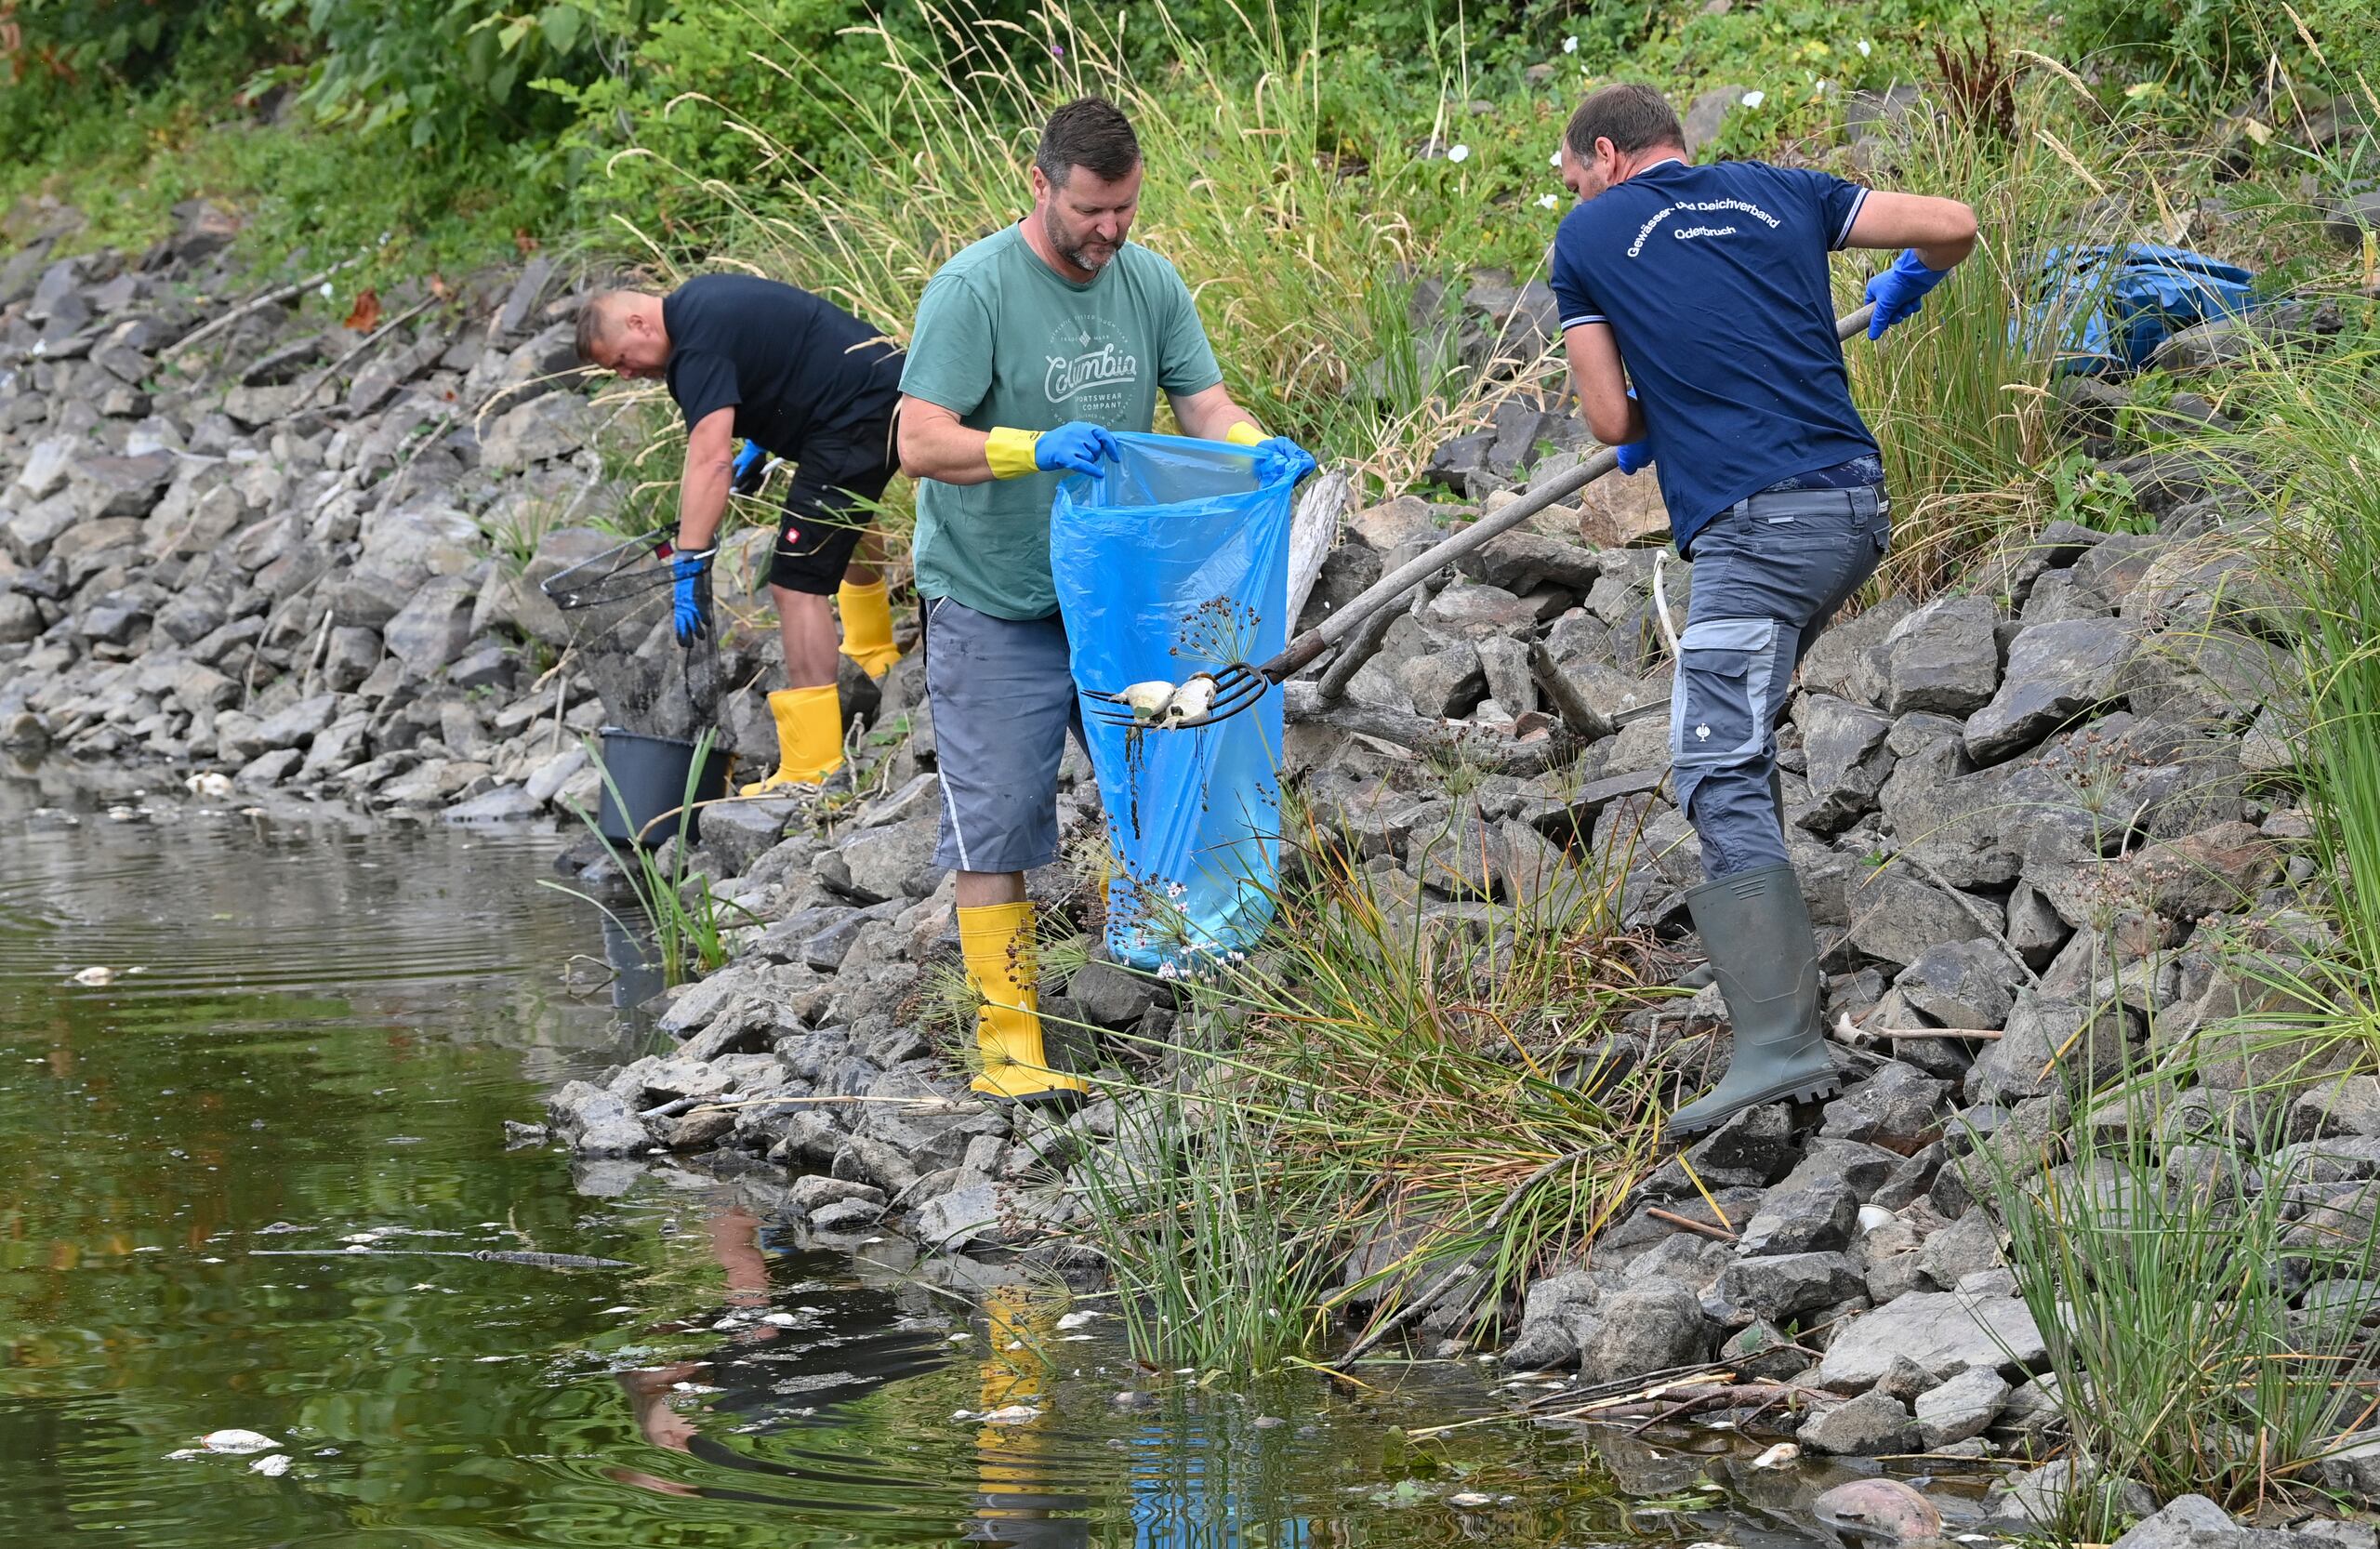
{"x": 1353, "y": 655}
{"x": 1302, "y": 702}
{"x": 1975, "y": 912}
{"x": 271, "y": 297}
{"x": 1720, "y": 1233}
{"x": 323, "y": 377}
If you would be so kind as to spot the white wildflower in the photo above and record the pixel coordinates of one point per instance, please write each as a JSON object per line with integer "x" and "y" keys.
{"x": 1865, "y": 48}
{"x": 1754, "y": 99}
{"x": 1546, "y": 201}
{"x": 1459, "y": 154}
{"x": 1569, "y": 46}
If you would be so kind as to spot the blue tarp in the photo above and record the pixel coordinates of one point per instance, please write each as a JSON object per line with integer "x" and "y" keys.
{"x": 2106, "y": 309}
{"x": 1174, "y": 562}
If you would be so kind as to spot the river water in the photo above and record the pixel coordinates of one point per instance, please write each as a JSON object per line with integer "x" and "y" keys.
{"x": 312, "y": 1033}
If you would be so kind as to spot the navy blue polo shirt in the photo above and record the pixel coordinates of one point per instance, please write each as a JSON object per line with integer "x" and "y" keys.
{"x": 1713, "y": 280}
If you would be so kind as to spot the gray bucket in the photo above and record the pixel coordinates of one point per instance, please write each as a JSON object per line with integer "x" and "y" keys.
{"x": 649, "y": 775}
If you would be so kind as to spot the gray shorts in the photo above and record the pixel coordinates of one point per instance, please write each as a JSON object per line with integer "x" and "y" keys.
{"x": 1003, "y": 697}
{"x": 1769, "y": 571}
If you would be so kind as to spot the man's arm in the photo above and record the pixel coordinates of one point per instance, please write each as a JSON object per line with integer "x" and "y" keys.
{"x": 1209, "y": 414}
{"x": 935, "y": 446}
{"x": 710, "y": 472}
{"x": 1940, "y": 231}
{"x": 1614, "y": 417}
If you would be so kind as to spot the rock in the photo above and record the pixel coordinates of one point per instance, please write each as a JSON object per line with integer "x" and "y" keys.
{"x": 1959, "y": 984}
{"x": 1759, "y": 1351}
{"x": 105, "y": 487}
{"x": 1447, "y": 683}
{"x": 1110, "y": 996}
{"x": 846, "y": 1215}
{"x": 1896, "y": 919}
{"x": 432, "y": 628}
{"x": 2036, "y": 1040}
{"x": 1967, "y": 1246}
{"x": 1848, "y": 760}
{"x": 978, "y": 1214}
{"x": 2039, "y": 1500}
{"x": 1878, "y": 1509}
{"x": 1867, "y": 1426}
{"x": 2056, "y": 672}
{"x": 1645, "y": 1328}
{"x": 552, "y": 425}
{"x": 816, "y": 1191}
{"x": 503, "y": 804}
{"x": 1895, "y": 1108}
{"x": 738, "y": 833}
{"x": 1965, "y": 1406}
{"x": 1941, "y": 1331}
{"x": 1944, "y": 657}
{"x": 879, "y": 864}
{"x": 2339, "y": 1105}
{"x": 1815, "y": 1220}
{"x": 596, "y": 1123}
{"x": 2195, "y": 1522}
{"x": 1780, "y": 1287}
{"x": 1549, "y": 1308}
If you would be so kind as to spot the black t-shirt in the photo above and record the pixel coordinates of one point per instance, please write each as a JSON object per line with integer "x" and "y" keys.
{"x": 791, "y": 364}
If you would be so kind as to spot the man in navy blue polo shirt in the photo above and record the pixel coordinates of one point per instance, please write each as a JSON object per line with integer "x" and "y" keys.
{"x": 1706, "y": 287}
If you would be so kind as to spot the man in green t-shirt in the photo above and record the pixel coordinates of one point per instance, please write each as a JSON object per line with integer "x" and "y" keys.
{"x": 1030, "y": 347}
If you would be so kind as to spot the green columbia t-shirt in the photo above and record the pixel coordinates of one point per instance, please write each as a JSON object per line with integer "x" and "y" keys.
{"x": 1001, "y": 339}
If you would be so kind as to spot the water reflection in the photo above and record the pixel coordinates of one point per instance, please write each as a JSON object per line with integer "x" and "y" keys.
{"x": 328, "y": 1026}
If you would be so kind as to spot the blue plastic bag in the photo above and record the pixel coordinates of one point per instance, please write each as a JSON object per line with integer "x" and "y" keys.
{"x": 1173, "y": 562}
{"x": 2106, "y": 309}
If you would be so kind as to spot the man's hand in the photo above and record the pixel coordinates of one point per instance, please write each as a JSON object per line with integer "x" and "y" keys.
{"x": 690, "y": 573}
{"x": 1276, "y": 455}
{"x": 1900, "y": 290}
{"x": 751, "y": 467}
{"x": 1634, "y": 455}
{"x": 1076, "y": 447}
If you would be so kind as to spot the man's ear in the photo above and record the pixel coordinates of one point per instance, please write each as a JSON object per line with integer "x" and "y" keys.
{"x": 1040, "y": 180}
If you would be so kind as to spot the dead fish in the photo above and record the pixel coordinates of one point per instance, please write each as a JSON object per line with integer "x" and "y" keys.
{"x": 1778, "y": 1456}
{"x": 1192, "y": 699}
{"x": 97, "y": 973}
{"x": 1879, "y": 1508}
{"x": 234, "y": 1440}
{"x": 1147, "y": 700}
{"x": 212, "y": 786}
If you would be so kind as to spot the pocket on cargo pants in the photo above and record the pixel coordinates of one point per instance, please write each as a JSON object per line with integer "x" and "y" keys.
{"x": 1719, "y": 699}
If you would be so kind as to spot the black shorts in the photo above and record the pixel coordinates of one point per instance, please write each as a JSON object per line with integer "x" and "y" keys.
{"x": 826, "y": 511}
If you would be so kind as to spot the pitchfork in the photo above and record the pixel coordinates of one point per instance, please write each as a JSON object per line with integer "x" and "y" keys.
{"x": 1238, "y": 686}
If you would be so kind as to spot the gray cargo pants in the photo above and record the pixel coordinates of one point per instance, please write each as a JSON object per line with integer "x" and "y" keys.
{"x": 1769, "y": 571}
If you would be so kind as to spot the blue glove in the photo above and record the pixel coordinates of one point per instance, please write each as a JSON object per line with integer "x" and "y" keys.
{"x": 1634, "y": 455}
{"x": 1277, "y": 457}
{"x": 1075, "y": 448}
{"x": 1898, "y": 291}
{"x": 751, "y": 467}
{"x": 689, "y": 570}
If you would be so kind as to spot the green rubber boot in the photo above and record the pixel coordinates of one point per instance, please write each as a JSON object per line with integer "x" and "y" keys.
{"x": 1696, "y": 977}
{"x": 1758, "y": 931}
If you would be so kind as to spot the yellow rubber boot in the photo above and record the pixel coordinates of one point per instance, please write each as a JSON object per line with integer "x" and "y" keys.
{"x": 867, "y": 627}
{"x": 810, "y": 739}
{"x": 997, "y": 942}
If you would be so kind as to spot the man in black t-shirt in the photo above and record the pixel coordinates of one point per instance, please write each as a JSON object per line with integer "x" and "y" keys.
{"x": 804, "y": 380}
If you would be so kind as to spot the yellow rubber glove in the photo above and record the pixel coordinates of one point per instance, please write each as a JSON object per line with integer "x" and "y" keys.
{"x": 1009, "y": 451}
{"x": 1244, "y": 434}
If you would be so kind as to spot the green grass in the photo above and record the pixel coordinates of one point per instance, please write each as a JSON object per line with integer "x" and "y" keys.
{"x": 2162, "y": 1294}
{"x": 1425, "y": 1090}
{"x": 685, "y": 922}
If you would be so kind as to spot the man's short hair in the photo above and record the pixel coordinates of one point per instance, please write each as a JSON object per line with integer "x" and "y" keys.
{"x": 595, "y": 321}
{"x": 1092, "y": 133}
{"x": 1632, "y": 117}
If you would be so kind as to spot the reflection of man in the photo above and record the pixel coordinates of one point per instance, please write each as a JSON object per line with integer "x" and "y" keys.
{"x": 802, "y": 378}
{"x": 1012, "y": 1467}
{"x": 1030, "y": 347}
{"x": 1707, "y": 288}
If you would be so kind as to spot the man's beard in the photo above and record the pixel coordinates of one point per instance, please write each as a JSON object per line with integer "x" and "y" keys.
{"x": 1081, "y": 257}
